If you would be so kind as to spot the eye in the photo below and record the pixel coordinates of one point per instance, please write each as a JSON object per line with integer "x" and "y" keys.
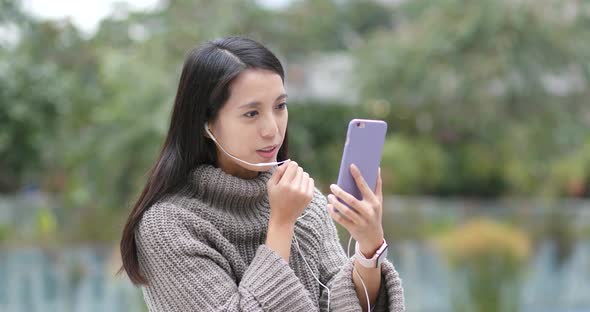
{"x": 251, "y": 114}
{"x": 282, "y": 106}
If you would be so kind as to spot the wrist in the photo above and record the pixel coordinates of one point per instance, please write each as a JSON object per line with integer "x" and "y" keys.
{"x": 280, "y": 225}
{"x": 374, "y": 260}
{"x": 280, "y": 231}
{"x": 368, "y": 248}
{"x": 278, "y": 238}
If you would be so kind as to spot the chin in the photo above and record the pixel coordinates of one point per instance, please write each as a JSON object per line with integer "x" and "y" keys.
{"x": 257, "y": 168}
{"x": 263, "y": 169}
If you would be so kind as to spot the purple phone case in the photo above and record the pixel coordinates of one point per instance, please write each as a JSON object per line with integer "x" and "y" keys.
{"x": 363, "y": 147}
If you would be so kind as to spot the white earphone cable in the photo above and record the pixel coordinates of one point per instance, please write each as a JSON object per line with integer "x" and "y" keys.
{"x": 234, "y": 157}
{"x": 294, "y": 236}
{"x": 315, "y": 277}
{"x": 358, "y": 275}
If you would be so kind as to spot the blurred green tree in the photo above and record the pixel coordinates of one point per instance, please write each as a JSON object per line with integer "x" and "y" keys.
{"x": 510, "y": 77}
{"x": 482, "y": 98}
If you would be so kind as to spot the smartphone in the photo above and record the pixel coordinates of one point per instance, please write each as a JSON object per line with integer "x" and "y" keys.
{"x": 363, "y": 147}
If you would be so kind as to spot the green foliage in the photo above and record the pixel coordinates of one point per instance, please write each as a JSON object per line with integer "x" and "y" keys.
{"x": 570, "y": 174}
{"x": 28, "y": 119}
{"x": 6, "y": 232}
{"x": 409, "y": 165}
{"x": 10, "y": 11}
{"x": 462, "y": 85}
{"x": 499, "y": 85}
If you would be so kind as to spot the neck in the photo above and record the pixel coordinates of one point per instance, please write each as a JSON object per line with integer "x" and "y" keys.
{"x": 225, "y": 190}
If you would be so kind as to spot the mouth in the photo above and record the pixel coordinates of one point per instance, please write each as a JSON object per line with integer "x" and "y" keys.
{"x": 268, "y": 152}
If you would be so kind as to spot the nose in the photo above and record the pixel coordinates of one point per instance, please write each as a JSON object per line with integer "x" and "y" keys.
{"x": 269, "y": 127}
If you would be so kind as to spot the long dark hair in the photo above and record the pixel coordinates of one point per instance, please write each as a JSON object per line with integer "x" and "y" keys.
{"x": 203, "y": 89}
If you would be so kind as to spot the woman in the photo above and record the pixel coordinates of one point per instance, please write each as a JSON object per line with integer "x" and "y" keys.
{"x": 213, "y": 231}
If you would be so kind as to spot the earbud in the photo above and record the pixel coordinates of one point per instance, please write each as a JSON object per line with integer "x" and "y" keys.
{"x": 207, "y": 131}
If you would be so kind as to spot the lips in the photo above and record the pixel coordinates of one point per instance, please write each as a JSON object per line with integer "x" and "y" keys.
{"x": 268, "y": 148}
{"x": 268, "y": 152}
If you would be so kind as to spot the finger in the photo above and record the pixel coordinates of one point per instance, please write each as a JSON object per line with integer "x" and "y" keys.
{"x": 350, "y": 214}
{"x": 346, "y": 197}
{"x": 298, "y": 178}
{"x": 361, "y": 183}
{"x": 338, "y": 217}
{"x": 304, "y": 182}
{"x": 276, "y": 176}
{"x": 290, "y": 172}
{"x": 311, "y": 186}
{"x": 379, "y": 187}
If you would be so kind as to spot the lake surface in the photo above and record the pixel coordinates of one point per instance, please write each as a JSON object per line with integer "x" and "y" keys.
{"x": 82, "y": 279}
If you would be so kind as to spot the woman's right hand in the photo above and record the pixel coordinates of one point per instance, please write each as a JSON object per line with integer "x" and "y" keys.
{"x": 290, "y": 190}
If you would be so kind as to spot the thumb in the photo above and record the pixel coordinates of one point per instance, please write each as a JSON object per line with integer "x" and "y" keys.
{"x": 278, "y": 174}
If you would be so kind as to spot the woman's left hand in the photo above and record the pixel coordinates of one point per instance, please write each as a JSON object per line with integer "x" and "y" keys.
{"x": 364, "y": 222}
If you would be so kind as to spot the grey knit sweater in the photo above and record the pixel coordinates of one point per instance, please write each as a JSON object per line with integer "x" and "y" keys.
{"x": 203, "y": 249}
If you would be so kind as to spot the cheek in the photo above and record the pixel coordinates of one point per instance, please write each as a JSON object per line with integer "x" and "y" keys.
{"x": 227, "y": 134}
{"x": 246, "y": 139}
{"x": 283, "y": 124}
{"x": 240, "y": 140}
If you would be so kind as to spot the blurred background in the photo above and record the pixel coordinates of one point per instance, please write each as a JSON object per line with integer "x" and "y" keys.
{"x": 486, "y": 165}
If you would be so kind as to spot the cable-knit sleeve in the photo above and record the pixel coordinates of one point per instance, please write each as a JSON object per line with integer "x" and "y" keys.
{"x": 336, "y": 270}
{"x": 185, "y": 273}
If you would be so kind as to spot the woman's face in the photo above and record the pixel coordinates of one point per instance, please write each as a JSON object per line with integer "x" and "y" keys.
{"x": 251, "y": 125}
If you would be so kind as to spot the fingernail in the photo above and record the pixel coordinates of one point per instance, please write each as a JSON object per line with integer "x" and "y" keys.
{"x": 332, "y": 187}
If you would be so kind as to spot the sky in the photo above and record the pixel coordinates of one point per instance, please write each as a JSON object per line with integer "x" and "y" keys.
{"x": 87, "y": 14}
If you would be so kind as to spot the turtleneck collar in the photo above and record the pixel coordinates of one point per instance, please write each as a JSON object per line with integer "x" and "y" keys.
{"x": 214, "y": 185}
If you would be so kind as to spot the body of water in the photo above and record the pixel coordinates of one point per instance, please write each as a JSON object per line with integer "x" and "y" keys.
{"x": 82, "y": 279}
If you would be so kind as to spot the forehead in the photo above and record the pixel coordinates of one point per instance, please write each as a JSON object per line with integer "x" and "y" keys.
{"x": 255, "y": 85}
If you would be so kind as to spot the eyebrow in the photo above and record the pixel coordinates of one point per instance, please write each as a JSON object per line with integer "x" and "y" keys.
{"x": 257, "y": 103}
